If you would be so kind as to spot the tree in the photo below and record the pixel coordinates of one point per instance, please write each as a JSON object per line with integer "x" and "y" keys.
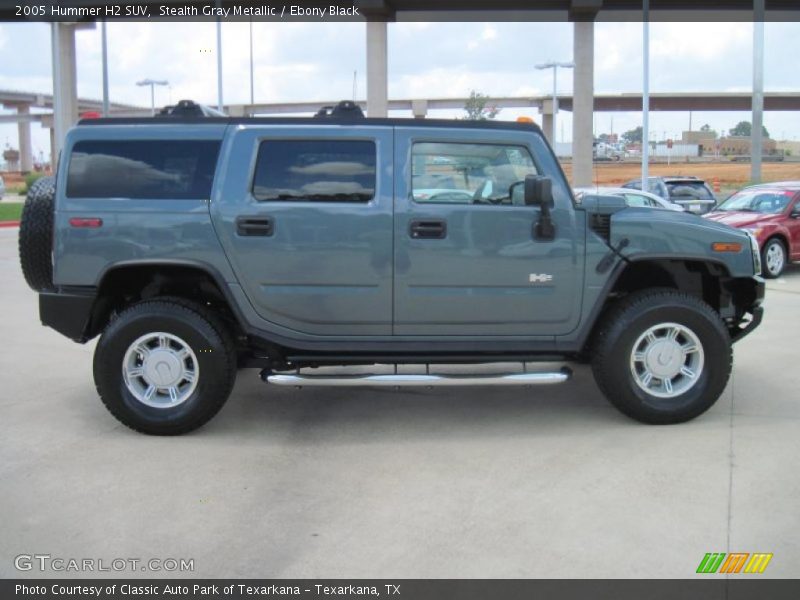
{"x": 633, "y": 136}
{"x": 745, "y": 129}
{"x": 477, "y": 109}
{"x": 707, "y": 129}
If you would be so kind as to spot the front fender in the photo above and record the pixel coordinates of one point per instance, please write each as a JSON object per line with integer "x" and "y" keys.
{"x": 643, "y": 233}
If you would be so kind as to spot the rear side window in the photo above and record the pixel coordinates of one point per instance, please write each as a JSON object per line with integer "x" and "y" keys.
{"x": 142, "y": 169}
{"x": 315, "y": 171}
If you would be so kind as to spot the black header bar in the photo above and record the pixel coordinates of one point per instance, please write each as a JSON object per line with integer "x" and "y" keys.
{"x": 391, "y": 10}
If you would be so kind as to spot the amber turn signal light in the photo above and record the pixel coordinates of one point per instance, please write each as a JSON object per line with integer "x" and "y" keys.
{"x": 726, "y": 247}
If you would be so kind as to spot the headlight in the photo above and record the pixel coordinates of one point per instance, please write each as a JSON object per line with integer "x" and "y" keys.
{"x": 755, "y": 231}
{"x": 755, "y": 250}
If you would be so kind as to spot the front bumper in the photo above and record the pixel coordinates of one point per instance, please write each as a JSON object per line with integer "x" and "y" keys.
{"x": 755, "y": 309}
{"x": 68, "y": 312}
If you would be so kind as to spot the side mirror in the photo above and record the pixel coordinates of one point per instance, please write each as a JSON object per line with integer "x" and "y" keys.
{"x": 795, "y": 214}
{"x": 539, "y": 192}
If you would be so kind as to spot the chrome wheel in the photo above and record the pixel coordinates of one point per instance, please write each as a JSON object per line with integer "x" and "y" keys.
{"x": 667, "y": 360}
{"x": 160, "y": 370}
{"x": 775, "y": 258}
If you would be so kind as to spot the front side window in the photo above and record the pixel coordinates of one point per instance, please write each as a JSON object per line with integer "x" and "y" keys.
{"x": 315, "y": 171}
{"x": 142, "y": 169}
{"x": 446, "y": 173}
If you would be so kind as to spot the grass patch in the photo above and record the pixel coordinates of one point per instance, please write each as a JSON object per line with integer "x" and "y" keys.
{"x": 10, "y": 211}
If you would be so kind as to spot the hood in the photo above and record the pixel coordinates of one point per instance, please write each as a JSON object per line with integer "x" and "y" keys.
{"x": 739, "y": 218}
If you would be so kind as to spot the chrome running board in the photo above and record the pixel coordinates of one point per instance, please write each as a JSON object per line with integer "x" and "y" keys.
{"x": 421, "y": 380}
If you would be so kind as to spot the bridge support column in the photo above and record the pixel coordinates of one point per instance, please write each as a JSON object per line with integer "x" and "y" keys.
{"x": 377, "y": 70}
{"x": 583, "y": 103}
{"x": 65, "y": 84}
{"x": 25, "y": 146}
{"x": 547, "y": 121}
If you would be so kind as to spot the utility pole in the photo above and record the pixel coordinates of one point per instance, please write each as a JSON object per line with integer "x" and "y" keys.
{"x": 219, "y": 60}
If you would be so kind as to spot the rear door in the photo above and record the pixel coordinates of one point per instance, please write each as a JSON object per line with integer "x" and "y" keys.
{"x": 466, "y": 259}
{"x": 305, "y": 216}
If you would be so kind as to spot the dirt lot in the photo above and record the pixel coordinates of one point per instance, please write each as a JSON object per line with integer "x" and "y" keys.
{"x": 731, "y": 175}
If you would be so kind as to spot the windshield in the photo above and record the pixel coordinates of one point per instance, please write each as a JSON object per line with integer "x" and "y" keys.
{"x": 689, "y": 189}
{"x": 761, "y": 202}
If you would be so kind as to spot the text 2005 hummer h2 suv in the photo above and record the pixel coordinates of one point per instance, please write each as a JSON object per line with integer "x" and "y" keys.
{"x": 197, "y": 246}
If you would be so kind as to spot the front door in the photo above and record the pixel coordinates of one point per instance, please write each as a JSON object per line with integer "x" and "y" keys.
{"x": 467, "y": 262}
{"x": 305, "y": 216}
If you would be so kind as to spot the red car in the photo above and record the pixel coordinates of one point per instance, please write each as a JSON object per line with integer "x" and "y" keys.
{"x": 771, "y": 212}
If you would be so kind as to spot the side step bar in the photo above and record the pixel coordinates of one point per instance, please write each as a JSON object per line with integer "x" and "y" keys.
{"x": 421, "y": 380}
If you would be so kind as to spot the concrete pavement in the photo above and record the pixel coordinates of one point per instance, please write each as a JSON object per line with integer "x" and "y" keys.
{"x": 549, "y": 482}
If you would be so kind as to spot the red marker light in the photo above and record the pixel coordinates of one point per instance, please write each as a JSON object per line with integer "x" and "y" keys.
{"x": 90, "y": 222}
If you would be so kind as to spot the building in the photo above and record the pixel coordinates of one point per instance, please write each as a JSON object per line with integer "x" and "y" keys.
{"x": 789, "y": 148}
{"x": 706, "y": 140}
{"x": 739, "y": 145}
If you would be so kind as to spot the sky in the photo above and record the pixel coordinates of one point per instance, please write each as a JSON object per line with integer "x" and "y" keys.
{"x": 317, "y": 61}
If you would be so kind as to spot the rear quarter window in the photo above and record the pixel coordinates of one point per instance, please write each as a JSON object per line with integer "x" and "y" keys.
{"x": 142, "y": 169}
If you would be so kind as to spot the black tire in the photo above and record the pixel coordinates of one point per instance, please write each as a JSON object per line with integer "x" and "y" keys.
{"x": 612, "y": 353}
{"x": 778, "y": 247}
{"x": 204, "y": 334}
{"x": 36, "y": 234}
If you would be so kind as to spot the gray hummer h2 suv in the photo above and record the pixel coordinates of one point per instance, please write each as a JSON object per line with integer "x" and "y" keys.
{"x": 197, "y": 246}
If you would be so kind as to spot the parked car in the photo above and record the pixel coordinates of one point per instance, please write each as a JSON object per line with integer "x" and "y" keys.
{"x": 632, "y": 197}
{"x": 2, "y": 188}
{"x": 771, "y": 213}
{"x": 193, "y": 246}
{"x": 690, "y": 192}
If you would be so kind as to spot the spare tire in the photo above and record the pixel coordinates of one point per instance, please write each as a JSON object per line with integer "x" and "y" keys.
{"x": 36, "y": 234}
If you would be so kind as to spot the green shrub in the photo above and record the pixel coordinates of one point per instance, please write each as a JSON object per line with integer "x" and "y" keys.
{"x": 30, "y": 178}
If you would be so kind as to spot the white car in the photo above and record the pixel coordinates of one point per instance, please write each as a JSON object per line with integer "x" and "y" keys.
{"x": 2, "y": 188}
{"x": 632, "y": 197}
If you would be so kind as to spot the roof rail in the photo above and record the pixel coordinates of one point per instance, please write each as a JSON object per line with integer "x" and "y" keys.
{"x": 189, "y": 108}
{"x": 346, "y": 109}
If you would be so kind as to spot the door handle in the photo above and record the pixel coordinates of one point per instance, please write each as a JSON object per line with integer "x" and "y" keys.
{"x": 252, "y": 226}
{"x": 428, "y": 230}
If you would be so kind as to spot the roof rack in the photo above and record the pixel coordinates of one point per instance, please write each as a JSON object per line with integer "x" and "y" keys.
{"x": 189, "y": 108}
{"x": 346, "y": 109}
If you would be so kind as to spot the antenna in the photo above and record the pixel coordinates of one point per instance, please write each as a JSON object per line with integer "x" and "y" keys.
{"x": 355, "y": 84}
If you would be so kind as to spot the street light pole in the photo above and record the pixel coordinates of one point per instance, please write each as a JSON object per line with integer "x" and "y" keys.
{"x": 646, "y": 96}
{"x": 252, "y": 93}
{"x": 104, "y": 40}
{"x": 756, "y": 147}
{"x": 152, "y": 83}
{"x": 554, "y": 66}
